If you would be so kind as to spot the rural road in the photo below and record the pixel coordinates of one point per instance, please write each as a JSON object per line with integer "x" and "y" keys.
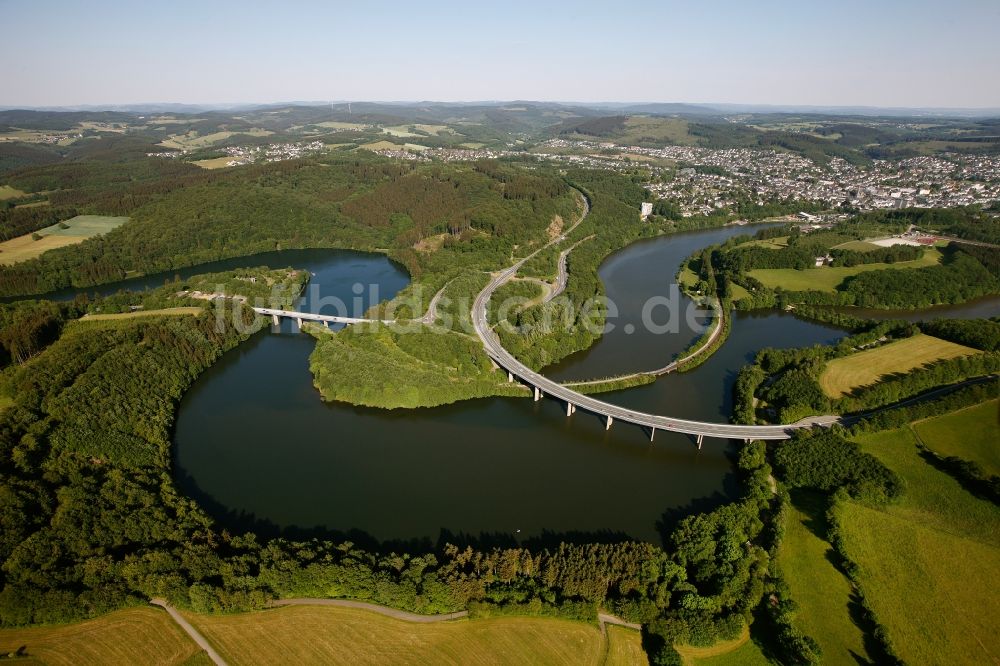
{"x": 374, "y": 608}
{"x": 190, "y": 631}
{"x": 602, "y": 618}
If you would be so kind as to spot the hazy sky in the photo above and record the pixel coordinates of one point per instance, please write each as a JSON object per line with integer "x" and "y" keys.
{"x": 871, "y": 52}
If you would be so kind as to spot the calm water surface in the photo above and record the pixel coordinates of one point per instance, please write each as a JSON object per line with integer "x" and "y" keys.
{"x": 257, "y": 446}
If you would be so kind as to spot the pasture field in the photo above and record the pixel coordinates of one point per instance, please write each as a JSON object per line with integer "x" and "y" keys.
{"x": 215, "y": 162}
{"x": 737, "y": 292}
{"x": 625, "y": 647}
{"x": 738, "y": 652}
{"x": 827, "y": 278}
{"x": 389, "y": 145}
{"x": 771, "y": 243}
{"x": 8, "y": 192}
{"x": 471, "y": 145}
{"x": 846, "y": 373}
{"x": 971, "y": 434}
{"x": 857, "y": 246}
{"x": 930, "y": 563}
{"x": 821, "y": 591}
{"x": 663, "y": 130}
{"x": 193, "y": 141}
{"x": 331, "y": 635}
{"x": 337, "y": 125}
{"x": 132, "y": 636}
{"x": 687, "y": 277}
{"x": 407, "y": 131}
{"x": 79, "y": 229}
{"x": 184, "y": 310}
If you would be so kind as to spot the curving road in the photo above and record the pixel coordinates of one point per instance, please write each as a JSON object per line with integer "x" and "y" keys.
{"x": 574, "y": 400}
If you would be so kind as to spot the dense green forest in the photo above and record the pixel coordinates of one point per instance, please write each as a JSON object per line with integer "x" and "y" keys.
{"x": 181, "y": 217}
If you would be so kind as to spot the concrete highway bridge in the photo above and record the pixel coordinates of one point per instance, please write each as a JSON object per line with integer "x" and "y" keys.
{"x": 302, "y": 317}
{"x": 542, "y": 386}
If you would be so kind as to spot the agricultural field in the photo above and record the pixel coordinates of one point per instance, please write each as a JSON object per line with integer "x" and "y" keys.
{"x": 186, "y": 310}
{"x": 863, "y": 368}
{"x": 771, "y": 243}
{"x": 8, "y": 192}
{"x": 410, "y": 131}
{"x": 971, "y": 434}
{"x": 856, "y": 246}
{"x": 821, "y": 591}
{"x": 330, "y": 635}
{"x": 687, "y": 277}
{"x": 624, "y": 647}
{"x": 673, "y": 131}
{"x": 193, "y": 141}
{"x": 930, "y": 563}
{"x": 340, "y": 126}
{"x": 214, "y": 163}
{"x": 132, "y": 636}
{"x": 739, "y": 652}
{"x": 78, "y": 229}
{"x": 827, "y": 278}
{"x": 389, "y": 145}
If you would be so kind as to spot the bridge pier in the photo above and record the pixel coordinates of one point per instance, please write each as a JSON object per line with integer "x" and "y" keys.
{"x": 700, "y": 439}
{"x": 538, "y": 394}
{"x": 510, "y": 376}
{"x": 607, "y": 426}
{"x": 298, "y": 323}
{"x": 275, "y": 320}
{"x": 652, "y": 434}
{"x": 570, "y": 408}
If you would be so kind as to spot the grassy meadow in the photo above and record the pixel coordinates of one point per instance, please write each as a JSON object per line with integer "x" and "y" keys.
{"x": 194, "y": 141}
{"x": 846, "y": 373}
{"x": 822, "y": 592}
{"x": 828, "y": 278}
{"x": 971, "y": 434}
{"x": 191, "y": 310}
{"x": 132, "y": 636}
{"x": 624, "y": 647}
{"x": 330, "y": 635}
{"x": 8, "y": 192}
{"x": 214, "y": 163}
{"x": 930, "y": 563}
{"x": 78, "y": 229}
{"x": 738, "y": 652}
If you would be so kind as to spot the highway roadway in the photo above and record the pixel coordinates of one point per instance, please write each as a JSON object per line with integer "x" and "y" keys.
{"x": 575, "y": 400}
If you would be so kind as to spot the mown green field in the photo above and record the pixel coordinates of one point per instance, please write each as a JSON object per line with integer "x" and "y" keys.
{"x": 846, "y": 373}
{"x": 771, "y": 243}
{"x": 329, "y": 635}
{"x": 624, "y": 647}
{"x": 133, "y": 636}
{"x": 827, "y": 278}
{"x": 667, "y": 130}
{"x": 77, "y": 230}
{"x": 930, "y": 564}
{"x": 739, "y": 652}
{"x": 822, "y": 592}
{"x": 857, "y": 246}
{"x": 8, "y": 192}
{"x": 971, "y": 434}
